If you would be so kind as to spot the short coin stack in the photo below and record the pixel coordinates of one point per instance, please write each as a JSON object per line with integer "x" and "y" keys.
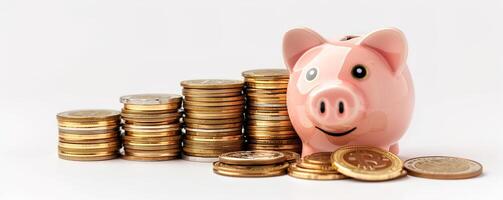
{"x": 152, "y": 126}
{"x": 87, "y": 135}
{"x": 251, "y": 164}
{"x": 268, "y": 125}
{"x": 213, "y": 118}
{"x": 317, "y": 166}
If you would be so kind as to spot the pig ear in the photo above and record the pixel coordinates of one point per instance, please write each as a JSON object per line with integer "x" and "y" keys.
{"x": 296, "y": 42}
{"x": 390, "y": 43}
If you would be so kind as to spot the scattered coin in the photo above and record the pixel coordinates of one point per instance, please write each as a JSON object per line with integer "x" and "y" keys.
{"x": 367, "y": 163}
{"x": 252, "y": 157}
{"x": 443, "y": 167}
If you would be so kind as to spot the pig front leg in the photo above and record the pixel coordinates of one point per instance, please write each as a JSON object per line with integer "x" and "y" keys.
{"x": 307, "y": 150}
{"x": 394, "y": 148}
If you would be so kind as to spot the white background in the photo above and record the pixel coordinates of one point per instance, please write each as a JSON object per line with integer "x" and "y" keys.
{"x": 61, "y": 55}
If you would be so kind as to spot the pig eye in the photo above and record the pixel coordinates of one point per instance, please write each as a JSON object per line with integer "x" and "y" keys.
{"x": 359, "y": 71}
{"x": 311, "y": 74}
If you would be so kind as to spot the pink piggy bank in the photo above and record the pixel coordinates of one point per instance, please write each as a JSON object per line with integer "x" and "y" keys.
{"x": 352, "y": 91}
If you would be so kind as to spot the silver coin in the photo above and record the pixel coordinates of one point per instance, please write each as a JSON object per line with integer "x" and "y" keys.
{"x": 199, "y": 159}
{"x": 150, "y": 99}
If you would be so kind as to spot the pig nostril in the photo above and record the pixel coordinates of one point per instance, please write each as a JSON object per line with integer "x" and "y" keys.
{"x": 322, "y": 107}
{"x": 341, "y": 107}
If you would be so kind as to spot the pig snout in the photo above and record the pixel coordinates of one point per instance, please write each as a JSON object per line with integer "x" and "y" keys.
{"x": 335, "y": 106}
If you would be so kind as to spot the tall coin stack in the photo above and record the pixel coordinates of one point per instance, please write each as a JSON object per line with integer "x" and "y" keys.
{"x": 268, "y": 126}
{"x": 152, "y": 126}
{"x": 213, "y": 118}
{"x": 86, "y": 135}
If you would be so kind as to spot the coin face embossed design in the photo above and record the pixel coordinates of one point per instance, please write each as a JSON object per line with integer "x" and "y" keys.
{"x": 367, "y": 160}
{"x": 256, "y": 157}
{"x": 367, "y": 163}
{"x": 443, "y": 167}
{"x": 150, "y": 99}
{"x": 319, "y": 158}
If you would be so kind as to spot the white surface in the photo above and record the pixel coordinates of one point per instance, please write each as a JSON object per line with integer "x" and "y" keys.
{"x": 60, "y": 55}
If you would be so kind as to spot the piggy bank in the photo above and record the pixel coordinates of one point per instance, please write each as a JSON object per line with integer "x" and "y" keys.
{"x": 352, "y": 91}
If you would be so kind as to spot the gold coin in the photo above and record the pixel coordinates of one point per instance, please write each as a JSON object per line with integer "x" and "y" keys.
{"x": 274, "y": 100}
{"x": 151, "y": 144}
{"x": 251, "y": 94}
{"x": 212, "y": 84}
{"x": 443, "y": 167}
{"x": 271, "y": 132}
{"x": 270, "y": 129}
{"x": 160, "y": 107}
{"x": 295, "y": 172}
{"x": 89, "y": 131}
{"x": 195, "y": 115}
{"x": 267, "y": 113}
{"x": 203, "y": 155}
{"x": 89, "y": 124}
{"x": 152, "y": 153}
{"x": 266, "y": 81}
{"x": 216, "y": 152}
{"x": 250, "y": 169}
{"x": 212, "y": 95}
{"x": 150, "y": 99}
{"x": 89, "y": 141}
{"x": 240, "y": 174}
{"x": 252, "y": 157}
{"x": 148, "y": 112}
{"x": 137, "y": 158}
{"x": 266, "y": 85}
{"x": 213, "y": 143}
{"x": 307, "y": 165}
{"x": 367, "y": 163}
{"x": 319, "y": 158}
{"x": 174, "y": 126}
{"x": 213, "y": 147}
{"x": 88, "y": 115}
{"x": 215, "y": 110}
{"x": 276, "y": 147}
{"x": 151, "y": 116}
{"x": 213, "y": 134}
{"x": 214, "y": 104}
{"x": 87, "y": 151}
{"x": 267, "y": 73}
{"x": 268, "y": 118}
{"x": 301, "y": 168}
{"x": 269, "y": 123}
{"x": 264, "y": 91}
{"x": 151, "y": 122}
{"x": 214, "y": 126}
{"x": 213, "y": 91}
{"x": 213, "y": 121}
{"x": 154, "y": 147}
{"x": 291, "y": 157}
{"x": 71, "y": 136}
{"x": 274, "y": 142}
{"x": 270, "y": 137}
{"x": 213, "y": 99}
{"x": 213, "y": 131}
{"x": 89, "y": 146}
{"x": 214, "y": 139}
{"x": 152, "y": 139}
{"x": 152, "y": 134}
{"x": 88, "y": 157}
{"x": 265, "y": 109}
{"x": 267, "y": 106}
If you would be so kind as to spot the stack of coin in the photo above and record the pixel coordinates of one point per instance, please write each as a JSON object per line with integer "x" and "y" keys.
{"x": 152, "y": 126}
{"x": 268, "y": 126}
{"x": 257, "y": 163}
{"x": 86, "y": 135}
{"x": 317, "y": 166}
{"x": 213, "y": 118}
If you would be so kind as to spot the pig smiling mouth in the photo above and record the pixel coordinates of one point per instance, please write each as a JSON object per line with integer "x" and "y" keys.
{"x": 335, "y": 133}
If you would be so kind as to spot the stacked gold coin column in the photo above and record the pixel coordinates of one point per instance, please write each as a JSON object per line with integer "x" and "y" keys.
{"x": 86, "y": 135}
{"x": 213, "y": 118}
{"x": 152, "y": 126}
{"x": 268, "y": 126}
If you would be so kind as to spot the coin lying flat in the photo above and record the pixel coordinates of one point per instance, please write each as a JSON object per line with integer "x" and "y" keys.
{"x": 367, "y": 163}
{"x": 199, "y": 159}
{"x": 252, "y": 157}
{"x": 302, "y": 173}
{"x": 150, "y": 99}
{"x": 212, "y": 84}
{"x": 89, "y": 115}
{"x": 270, "y": 73}
{"x": 250, "y": 170}
{"x": 443, "y": 167}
